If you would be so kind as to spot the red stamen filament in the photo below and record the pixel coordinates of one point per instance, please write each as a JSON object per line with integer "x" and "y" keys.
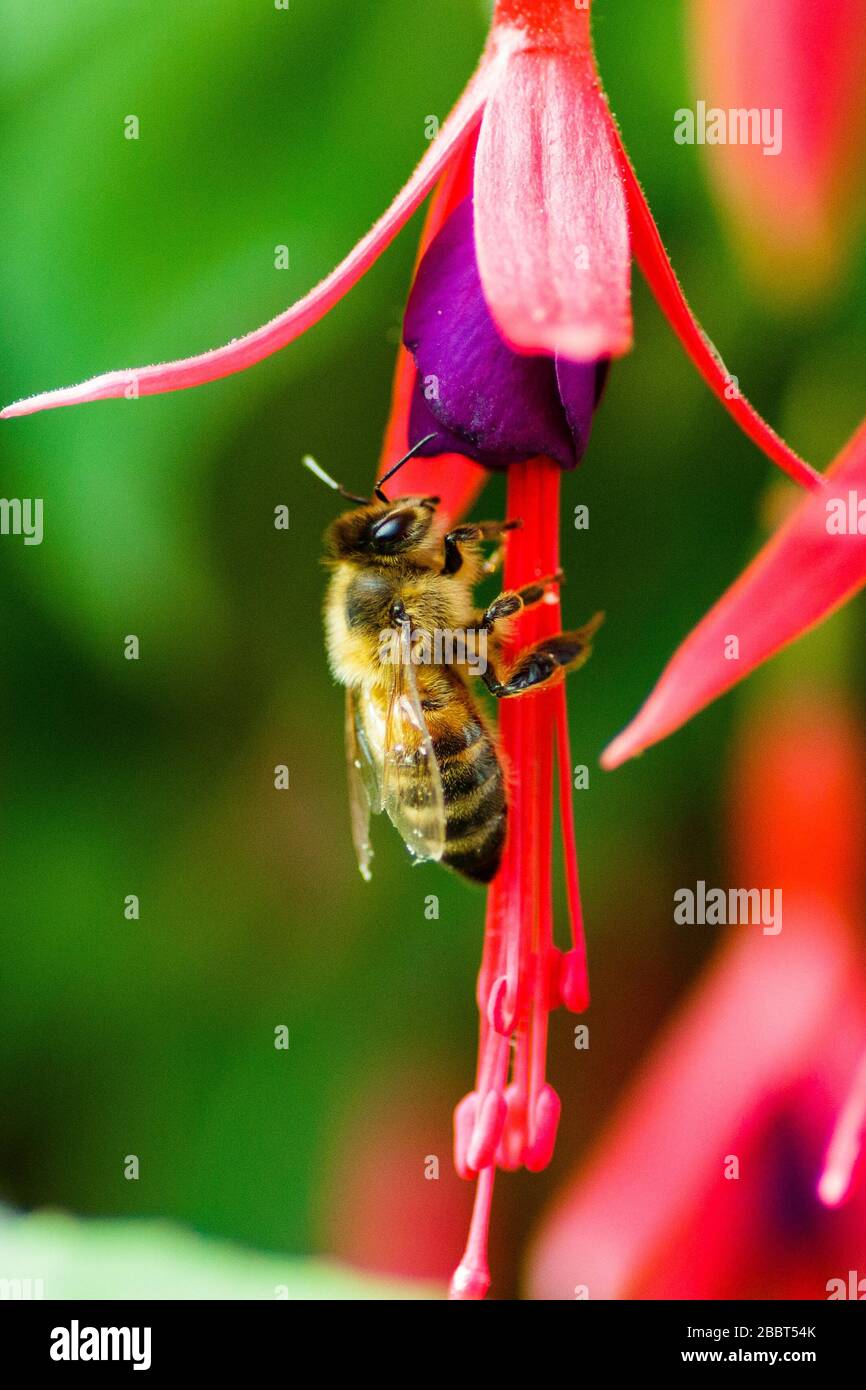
{"x": 523, "y": 975}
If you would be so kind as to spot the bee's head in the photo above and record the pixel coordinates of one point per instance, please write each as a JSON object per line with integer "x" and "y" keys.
{"x": 382, "y": 529}
{"x": 378, "y": 529}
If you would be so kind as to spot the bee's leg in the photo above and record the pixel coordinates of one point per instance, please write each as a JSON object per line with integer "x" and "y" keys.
{"x": 515, "y": 600}
{"x": 494, "y": 561}
{"x": 465, "y": 535}
{"x": 539, "y": 664}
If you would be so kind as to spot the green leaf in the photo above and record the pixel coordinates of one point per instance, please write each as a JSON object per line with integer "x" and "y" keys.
{"x": 76, "y": 1258}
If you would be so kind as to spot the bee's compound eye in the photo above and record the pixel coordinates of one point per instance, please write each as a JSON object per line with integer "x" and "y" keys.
{"x": 391, "y": 530}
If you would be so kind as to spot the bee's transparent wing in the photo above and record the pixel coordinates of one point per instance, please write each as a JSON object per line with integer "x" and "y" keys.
{"x": 365, "y": 792}
{"x": 411, "y": 785}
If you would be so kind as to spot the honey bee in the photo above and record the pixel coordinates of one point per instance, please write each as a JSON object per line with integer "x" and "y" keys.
{"x": 418, "y": 745}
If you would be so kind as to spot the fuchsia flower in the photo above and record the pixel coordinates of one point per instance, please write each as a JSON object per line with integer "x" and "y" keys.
{"x": 521, "y": 299}
{"x": 815, "y": 563}
{"x": 792, "y": 212}
{"x": 558, "y": 215}
{"x": 754, "y": 1067}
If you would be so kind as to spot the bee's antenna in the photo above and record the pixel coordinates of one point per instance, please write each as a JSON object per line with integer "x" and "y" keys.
{"x": 405, "y": 459}
{"x": 309, "y": 462}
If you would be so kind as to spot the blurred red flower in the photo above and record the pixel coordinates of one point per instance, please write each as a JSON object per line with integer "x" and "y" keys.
{"x": 754, "y": 1069}
{"x": 793, "y": 212}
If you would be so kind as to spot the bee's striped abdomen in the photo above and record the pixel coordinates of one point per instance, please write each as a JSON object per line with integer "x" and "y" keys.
{"x": 474, "y": 792}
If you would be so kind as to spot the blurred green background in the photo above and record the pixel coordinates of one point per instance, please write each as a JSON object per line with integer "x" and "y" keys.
{"x": 262, "y": 127}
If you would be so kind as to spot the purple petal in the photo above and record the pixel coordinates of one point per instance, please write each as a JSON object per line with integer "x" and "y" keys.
{"x": 423, "y": 422}
{"x": 581, "y": 385}
{"x": 490, "y": 403}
